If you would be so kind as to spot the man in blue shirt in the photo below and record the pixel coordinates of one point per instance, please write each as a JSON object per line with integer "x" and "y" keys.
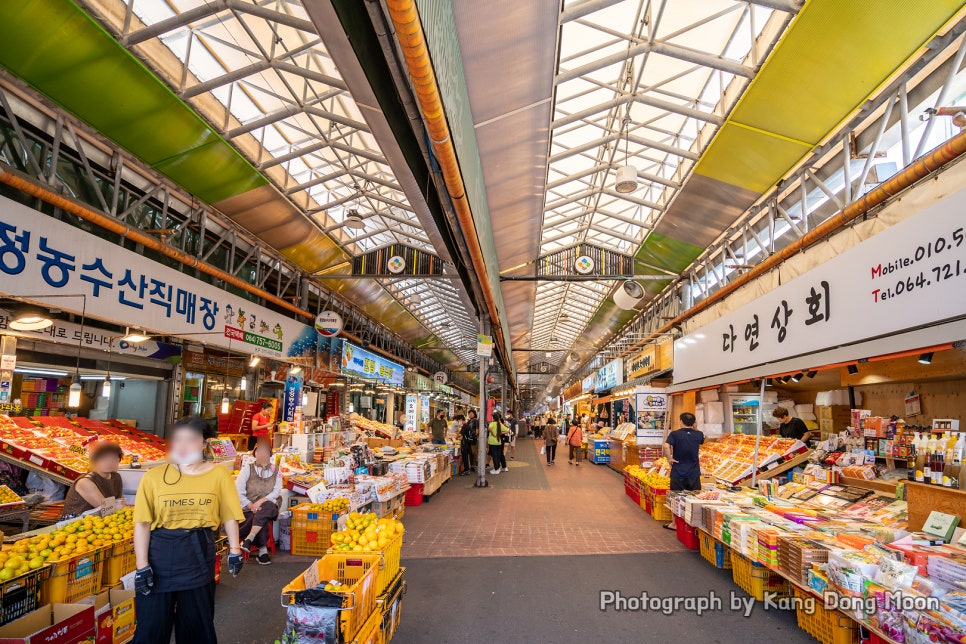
{"x": 681, "y": 450}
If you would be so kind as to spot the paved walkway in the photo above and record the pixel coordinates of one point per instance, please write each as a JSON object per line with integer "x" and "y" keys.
{"x": 477, "y": 569}
{"x": 534, "y": 510}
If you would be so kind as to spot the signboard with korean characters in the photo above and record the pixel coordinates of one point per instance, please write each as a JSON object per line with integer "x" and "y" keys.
{"x": 366, "y": 364}
{"x": 39, "y": 254}
{"x": 63, "y": 332}
{"x": 650, "y": 408}
{"x": 610, "y": 375}
{"x": 908, "y": 276}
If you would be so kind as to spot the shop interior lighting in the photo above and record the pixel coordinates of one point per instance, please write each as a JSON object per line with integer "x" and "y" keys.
{"x": 30, "y": 371}
{"x": 106, "y": 387}
{"x": 798, "y": 377}
{"x": 29, "y": 318}
{"x": 74, "y": 394}
{"x": 135, "y": 336}
{"x": 305, "y": 399}
{"x": 295, "y": 370}
{"x": 99, "y": 378}
{"x": 811, "y": 374}
{"x": 225, "y": 402}
{"x": 853, "y": 369}
{"x": 243, "y": 384}
{"x": 926, "y": 358}
{"x": 254, "y": 362}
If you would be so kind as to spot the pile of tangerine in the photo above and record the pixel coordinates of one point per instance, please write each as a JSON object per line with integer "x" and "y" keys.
{"x": 76, "y": 538}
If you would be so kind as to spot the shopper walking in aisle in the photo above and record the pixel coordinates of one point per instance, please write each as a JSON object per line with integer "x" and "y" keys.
{"x": 259, "y": 489}
{"x": 550, "y": 439}
{"x": 511, "y": 445}
{"x": 494, "y": 439}
{"x": 468, "y": 437}
{"x": 575, "y": 439}
{"x": 102, "y": 482}
{"x": 176, "y": 515}
{"x": 681, "y": 450}
{"x": 791, "y": 427}
{"x": 438, "y": 428}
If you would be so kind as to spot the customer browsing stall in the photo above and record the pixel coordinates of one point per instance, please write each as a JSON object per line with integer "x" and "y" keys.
{"x": 259, "y": 488}
{"x": 791, "y": 427}
{"x": 681, "y": 450}
{"x": 178, "y": 510}
{"x": 102, "y": 482}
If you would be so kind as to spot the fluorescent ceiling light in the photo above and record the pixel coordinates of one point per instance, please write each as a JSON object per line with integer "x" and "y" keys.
{"x": 40, "y": 372}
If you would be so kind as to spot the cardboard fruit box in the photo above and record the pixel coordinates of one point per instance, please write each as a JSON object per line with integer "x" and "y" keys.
{"x": 52, "y": 623}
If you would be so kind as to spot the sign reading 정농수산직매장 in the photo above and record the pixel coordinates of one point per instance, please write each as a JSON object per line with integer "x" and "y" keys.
{"x": 39, "y": 254}
{"x": 910, "y": 275}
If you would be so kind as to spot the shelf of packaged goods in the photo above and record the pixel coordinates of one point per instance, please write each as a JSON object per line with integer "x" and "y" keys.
{"x": 19, "y": 462}
{"x": 794, "y": 582}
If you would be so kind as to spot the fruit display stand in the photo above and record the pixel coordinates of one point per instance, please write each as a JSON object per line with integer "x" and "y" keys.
{"x": 54, "y": 445}
{"x": 731, "y": 459}
{"x": 368, "y": 533}
{"x": 314, "y": 523}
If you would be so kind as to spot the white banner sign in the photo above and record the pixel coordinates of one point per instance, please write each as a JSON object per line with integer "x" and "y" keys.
{"x": 40, "y": 255}
{"x": 62, "y": 332}
{"x": 907, "y": 276}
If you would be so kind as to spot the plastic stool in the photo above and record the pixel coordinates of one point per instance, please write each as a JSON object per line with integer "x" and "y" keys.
{"x": 269, "y": 542}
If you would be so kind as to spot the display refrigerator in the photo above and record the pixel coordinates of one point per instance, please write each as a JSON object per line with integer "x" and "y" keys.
{"x": 742, "y": 412}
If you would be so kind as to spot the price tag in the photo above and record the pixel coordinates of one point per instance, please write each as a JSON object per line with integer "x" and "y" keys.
{"x": 311, "y": 576}
{"x": 110, "y": 505}
{"x": 36, "y": 460}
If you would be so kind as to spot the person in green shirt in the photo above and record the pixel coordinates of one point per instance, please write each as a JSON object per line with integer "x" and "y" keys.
{"x": 438, "y": 428}
{"x": 494, "y": 441}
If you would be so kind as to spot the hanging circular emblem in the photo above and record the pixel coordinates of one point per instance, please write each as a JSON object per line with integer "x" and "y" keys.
{"x": 396, "y": 264}
{"x": 328, "y": 323}
{"x": 584, "y": 265}
{"x": 440, "y": 377}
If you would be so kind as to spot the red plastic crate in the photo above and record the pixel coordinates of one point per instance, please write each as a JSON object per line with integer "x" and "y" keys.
{"x": 414, "y": 495}
{"x": 687, "y": 534}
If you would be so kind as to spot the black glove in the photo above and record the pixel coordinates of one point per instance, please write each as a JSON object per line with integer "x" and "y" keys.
{"x": 234, "y": 564}
{"x": 143, "y": 580}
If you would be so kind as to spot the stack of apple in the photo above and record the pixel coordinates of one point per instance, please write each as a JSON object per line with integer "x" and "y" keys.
{"x": 366, "y": 533}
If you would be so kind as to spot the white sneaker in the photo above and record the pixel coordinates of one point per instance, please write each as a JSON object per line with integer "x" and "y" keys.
{"x": 494, "y": 471}
{"x": 505, "y": 469}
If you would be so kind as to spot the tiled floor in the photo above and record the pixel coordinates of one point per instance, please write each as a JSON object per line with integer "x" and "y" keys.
{"x": 584, "y": 511}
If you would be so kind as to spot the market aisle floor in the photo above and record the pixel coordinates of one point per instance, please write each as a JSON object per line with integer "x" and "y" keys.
{"x": 478, "y": 570}
{"x": 534, "y": 510}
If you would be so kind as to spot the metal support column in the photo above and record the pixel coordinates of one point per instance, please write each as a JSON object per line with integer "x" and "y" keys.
{"x": 482, "y": 434}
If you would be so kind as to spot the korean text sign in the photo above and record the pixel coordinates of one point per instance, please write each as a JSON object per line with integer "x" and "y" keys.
{"x": 907, "y": 276}
{"x": 39, "y": 254}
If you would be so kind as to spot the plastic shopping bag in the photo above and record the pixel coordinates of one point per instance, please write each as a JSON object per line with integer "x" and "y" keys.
{"x": 543, "y": 449}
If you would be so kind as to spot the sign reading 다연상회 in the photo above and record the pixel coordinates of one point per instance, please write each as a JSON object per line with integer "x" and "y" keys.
{"x": 905, "y": 277}
{"x": 39, "y": 254}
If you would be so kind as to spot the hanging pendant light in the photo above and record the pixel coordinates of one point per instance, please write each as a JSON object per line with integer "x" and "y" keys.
{"x": 626, "y": 176}
{"x": 74, "y": 393}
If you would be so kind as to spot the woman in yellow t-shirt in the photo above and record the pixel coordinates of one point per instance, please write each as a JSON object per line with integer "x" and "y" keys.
{"x": 177, "y": 512}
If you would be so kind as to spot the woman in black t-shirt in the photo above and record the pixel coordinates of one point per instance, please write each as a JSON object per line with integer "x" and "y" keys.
{"x": 791, "y": 427}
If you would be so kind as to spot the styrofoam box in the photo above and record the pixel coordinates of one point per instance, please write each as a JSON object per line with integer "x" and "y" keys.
{"x": 713, "y": 430}
{"x": 771, "y": 397}
{"x": 708, "y": 395}
{"x": 714, "y": 413}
